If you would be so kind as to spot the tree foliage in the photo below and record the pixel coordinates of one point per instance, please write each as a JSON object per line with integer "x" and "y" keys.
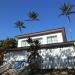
{"x": 33, "y": 15}
{"x": 8, "y": 43}
{"x": 67, "y": 9}
{"x": 20, "y": 25}
{"x": 34, "y": 60}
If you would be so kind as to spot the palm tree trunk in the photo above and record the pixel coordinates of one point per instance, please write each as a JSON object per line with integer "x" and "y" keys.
{"x": 69, "y": 26}
{"x": 20, "y": 30}
{"x": 31, "y": 27}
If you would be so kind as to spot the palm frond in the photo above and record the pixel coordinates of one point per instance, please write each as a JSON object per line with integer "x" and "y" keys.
{"x": 72, "y": 12}
{"x": 20, "y": 25}
{"x": 66, "y": 9}
{"x": 36, "y": 42}
{"x": 61, "y": 14}
{"x": 33, "y": 15}
{"x": 29, "y": 40}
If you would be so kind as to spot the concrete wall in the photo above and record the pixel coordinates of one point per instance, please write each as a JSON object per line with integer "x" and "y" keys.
{"x": 51, "y": 57}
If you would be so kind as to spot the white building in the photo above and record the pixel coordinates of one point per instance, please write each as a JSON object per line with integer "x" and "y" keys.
{"x": 45, "y": 37}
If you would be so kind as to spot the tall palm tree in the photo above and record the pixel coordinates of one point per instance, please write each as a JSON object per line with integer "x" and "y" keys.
{"x": 20, "y": 25}
{"x": 67, "y": 10}
{"x": 33, "y": 16}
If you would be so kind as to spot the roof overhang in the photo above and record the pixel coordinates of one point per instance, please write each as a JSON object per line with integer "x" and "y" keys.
{"x": 62, "y": 30}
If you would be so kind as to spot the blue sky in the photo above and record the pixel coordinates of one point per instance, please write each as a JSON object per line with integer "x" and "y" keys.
{"x": 13, "y": 10}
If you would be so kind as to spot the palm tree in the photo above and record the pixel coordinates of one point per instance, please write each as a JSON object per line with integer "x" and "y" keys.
{"x": 33, "y": 16}
{"x": 20, "y": 25}
{"x": 66, "y": 10}
{"x": 34, "y": 60}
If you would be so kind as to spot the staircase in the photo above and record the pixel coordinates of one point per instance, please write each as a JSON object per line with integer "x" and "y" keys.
{"x": 4, "y": 67}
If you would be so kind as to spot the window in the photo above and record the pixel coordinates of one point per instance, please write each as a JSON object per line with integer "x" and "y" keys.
{"x": 52, "y": 39}
{"x": 24, "y": 43}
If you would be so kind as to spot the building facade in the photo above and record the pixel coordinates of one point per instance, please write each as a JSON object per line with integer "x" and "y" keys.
{"x": 44, "y": 37}
{"x": 55, "y": 50}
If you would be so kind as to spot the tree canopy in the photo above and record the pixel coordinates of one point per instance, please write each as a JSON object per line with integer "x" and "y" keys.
{"x": 20, "y": 25}
{"x": 8, "y": 43}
